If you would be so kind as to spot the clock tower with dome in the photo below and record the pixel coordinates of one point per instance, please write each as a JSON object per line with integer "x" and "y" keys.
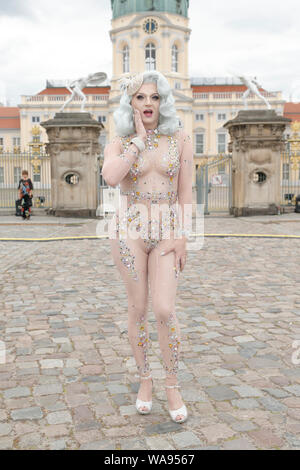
{"x": 153, "y": 35}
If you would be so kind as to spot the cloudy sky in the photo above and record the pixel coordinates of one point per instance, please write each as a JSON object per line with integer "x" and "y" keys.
{"x": 42, "y": 39}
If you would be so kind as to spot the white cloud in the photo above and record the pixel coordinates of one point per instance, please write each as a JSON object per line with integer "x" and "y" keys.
{"x": 59, "y": 40}
{"x": 259, "y": 38}
{"x": 64, "y": 39}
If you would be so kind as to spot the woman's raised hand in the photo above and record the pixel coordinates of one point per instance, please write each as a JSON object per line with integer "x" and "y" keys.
{"x": 139, "y": 126}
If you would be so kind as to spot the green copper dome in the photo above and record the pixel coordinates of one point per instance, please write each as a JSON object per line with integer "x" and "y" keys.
{"x": 125, "y": 7}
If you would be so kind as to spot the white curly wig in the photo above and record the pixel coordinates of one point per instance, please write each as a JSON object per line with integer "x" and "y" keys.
{"x": 168, "y": 122}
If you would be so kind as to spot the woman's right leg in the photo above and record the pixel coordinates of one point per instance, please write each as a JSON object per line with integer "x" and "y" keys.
{"x": 131, "y": 259}
{"x": 163, "y": 284}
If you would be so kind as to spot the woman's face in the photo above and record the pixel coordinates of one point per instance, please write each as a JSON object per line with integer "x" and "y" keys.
{"x": 147, "y": 102}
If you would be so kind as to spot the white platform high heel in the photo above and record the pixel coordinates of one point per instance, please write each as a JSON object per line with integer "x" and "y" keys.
{"x": 180, "y": 411}
{"x": 143, "y": 404}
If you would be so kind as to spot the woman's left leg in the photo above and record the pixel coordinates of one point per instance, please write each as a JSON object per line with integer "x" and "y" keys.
{"x": 163, "y": 285}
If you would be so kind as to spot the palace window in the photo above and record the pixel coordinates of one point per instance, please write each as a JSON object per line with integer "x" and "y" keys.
{"x": 199, "y": 117}
{"x": 199, "y": 143}
{"x": 221, "y": 117}
{"x": 150, "y": 57}
{"x": 1, "y": 174}
{"x": 16, "y": 141}
{"x": 221, "y": 143}
{"x": 174, "y": 58}
{"x": 35, "y": 119}
{"x": 1, "y": 140}
{"x": 125, "y": 59}
{"x": 102, "y": 119}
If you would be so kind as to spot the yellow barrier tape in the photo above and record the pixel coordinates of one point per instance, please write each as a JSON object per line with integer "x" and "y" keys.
{"x": 103, "y": 237}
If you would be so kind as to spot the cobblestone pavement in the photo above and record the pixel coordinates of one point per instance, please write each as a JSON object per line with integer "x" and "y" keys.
{"x": 68, "y": 380}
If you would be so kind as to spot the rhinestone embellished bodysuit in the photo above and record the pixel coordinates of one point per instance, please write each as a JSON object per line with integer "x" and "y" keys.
{"x": 150, "y": 193}
{"x": 150, "y": 190}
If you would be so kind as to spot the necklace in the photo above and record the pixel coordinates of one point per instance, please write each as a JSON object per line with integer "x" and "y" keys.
{"x": 152, "y": 139}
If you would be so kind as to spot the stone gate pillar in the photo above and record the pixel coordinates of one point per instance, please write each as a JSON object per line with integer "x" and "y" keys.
{"x": 256, "y": 145}
{"x": 73, "y": 148}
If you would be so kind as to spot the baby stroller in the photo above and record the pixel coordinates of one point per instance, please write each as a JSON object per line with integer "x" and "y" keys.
{"x": 18, "y": 207}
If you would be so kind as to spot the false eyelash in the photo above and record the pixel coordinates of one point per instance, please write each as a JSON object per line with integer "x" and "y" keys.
{"x": 141, "y": 96}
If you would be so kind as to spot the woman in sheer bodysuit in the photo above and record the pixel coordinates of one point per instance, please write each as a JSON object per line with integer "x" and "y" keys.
{"x": 150, "y": 181}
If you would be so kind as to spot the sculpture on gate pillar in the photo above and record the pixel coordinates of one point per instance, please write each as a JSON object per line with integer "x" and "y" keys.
{"x": 76, "y": 87}
{"x": 252, "y": 86}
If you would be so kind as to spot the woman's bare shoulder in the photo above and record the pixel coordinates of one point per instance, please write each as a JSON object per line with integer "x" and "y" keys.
{"x": 182, "y": 135}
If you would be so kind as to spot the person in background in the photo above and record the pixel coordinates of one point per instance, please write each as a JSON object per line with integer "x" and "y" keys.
{"x": 25, "y": 194}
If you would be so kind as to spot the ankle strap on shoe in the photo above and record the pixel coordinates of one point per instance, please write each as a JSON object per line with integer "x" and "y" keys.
{"x": 172, "y": 386}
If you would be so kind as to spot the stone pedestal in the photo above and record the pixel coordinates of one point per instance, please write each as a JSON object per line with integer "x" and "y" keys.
{"x": 73, "y": 148}
{"x": 256, "y": 144}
